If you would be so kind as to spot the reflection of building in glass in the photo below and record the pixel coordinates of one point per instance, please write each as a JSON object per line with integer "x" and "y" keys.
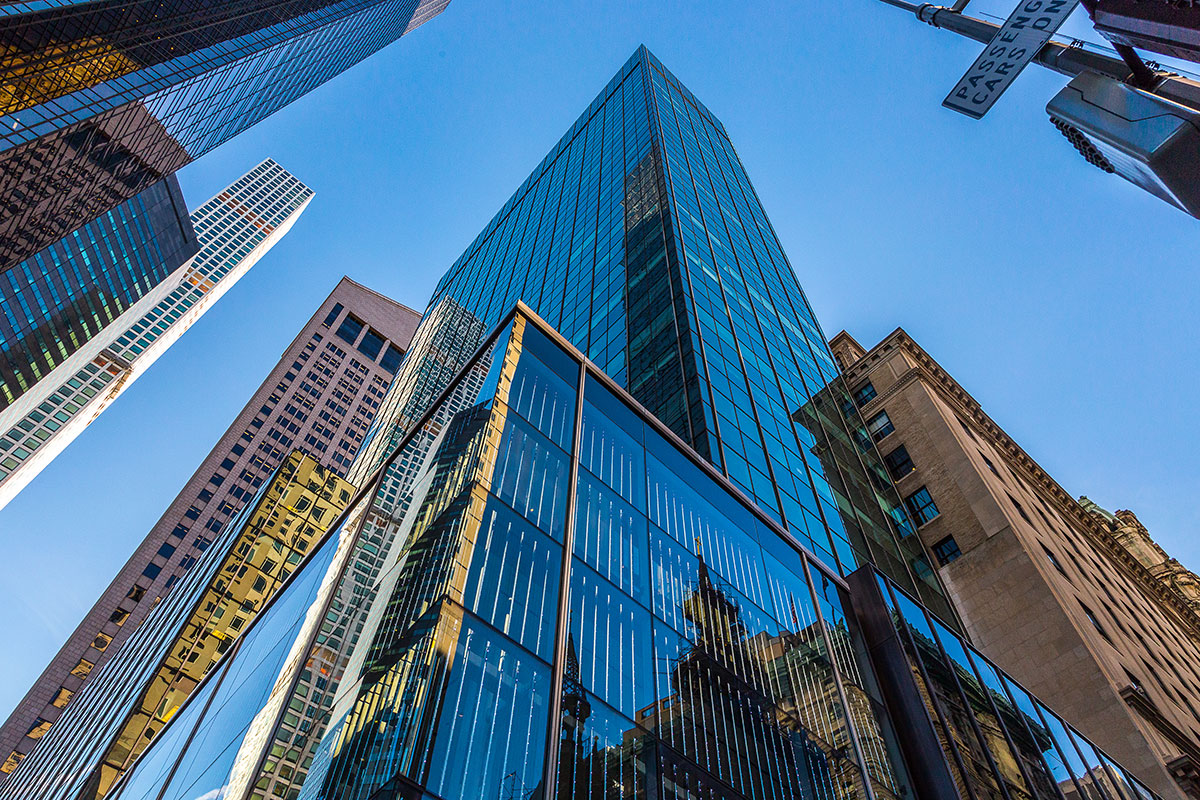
{"x": 625, "y": 575}
{"x": 576, "y": 599}
{"x": 446, "y": 339}
{"x": 1108, "y": 629}
{"x": 320, "y": 397}
{"x": 124, "y": 706}
{"x": 102, "y": 275}
{"x": 640, "y": 238}
{"x": 472, "y": 597}
{"x": 100, "y": 100}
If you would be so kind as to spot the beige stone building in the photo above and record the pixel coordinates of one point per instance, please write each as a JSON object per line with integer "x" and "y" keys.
{"x": 1078, "y": 604}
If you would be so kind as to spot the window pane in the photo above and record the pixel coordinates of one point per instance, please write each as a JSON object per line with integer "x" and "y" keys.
{"x": 611, "y": 635}
{"x": 514, "y": 577}
{"x": 612, "y": 538}
{"x": 491, "y": 734}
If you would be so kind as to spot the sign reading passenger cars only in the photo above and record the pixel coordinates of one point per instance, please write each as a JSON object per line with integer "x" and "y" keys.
{"x": 1011, "y": 49}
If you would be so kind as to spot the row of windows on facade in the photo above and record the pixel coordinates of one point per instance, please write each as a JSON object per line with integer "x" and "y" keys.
{"x": 1065, "y": 533}
{"x": 358, "y": 334}
{"x": 81, "y": 670}
{"x": 921, "y": 507}
{"x": 920, "y": 504}
{"x": 56, "y": 411}
{"x": 254, "y": 475}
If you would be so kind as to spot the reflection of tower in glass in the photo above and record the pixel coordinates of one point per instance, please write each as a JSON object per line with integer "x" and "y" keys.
{"x": 774, "y": 693}
{"x": 441, "y": 348}
{"x": 99, "y": 100}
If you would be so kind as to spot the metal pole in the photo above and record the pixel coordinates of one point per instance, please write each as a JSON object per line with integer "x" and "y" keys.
{"x": 1063, "y": 58}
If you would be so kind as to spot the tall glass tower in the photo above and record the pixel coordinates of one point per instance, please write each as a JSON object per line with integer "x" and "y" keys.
{"x": 98, "y": 100}
{"x": 640, "y": 238}
{"x": 55, "y": 302}
{"x": 234, "y": 230}
{"x": 633, "y": 557}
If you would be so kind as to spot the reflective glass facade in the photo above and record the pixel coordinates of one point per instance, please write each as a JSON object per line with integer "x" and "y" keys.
{"x": 620, "y": 548}
{"x": 641, "y": 239}
{"x": 234, "y": 230}
{"x": 113, "y": 719}
{"x": 999, "y": 741}
{"x": 53, "y": 303}
{"x": 99, "y": 100}
{"x": 580, "y": 606}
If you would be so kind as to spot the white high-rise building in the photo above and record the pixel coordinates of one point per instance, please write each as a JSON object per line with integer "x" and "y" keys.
{"x": 235, "y": 229}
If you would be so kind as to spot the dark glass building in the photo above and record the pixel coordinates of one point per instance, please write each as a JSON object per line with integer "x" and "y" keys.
{"x": 59, "y": 299}
{"x": 99, "y": 100}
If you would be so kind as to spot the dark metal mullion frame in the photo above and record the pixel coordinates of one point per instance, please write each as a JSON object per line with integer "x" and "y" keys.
{"x": 987, "y": 751}
{"x": 973, "y": 658}
{"x": 1105, "y": 794}
{"x": 1104, "y": 764}
{"x": 1037, "y": 707}
{"x": 195, "y": 728}
{"x": 562, "y": 626}
{"x": 1005, "y": 681}
{"x": 933, "y": 701}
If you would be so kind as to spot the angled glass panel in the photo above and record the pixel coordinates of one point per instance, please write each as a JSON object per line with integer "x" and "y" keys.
{"x": 612, "y": 538}
{"x": 861, "y": 706}
{"x": 1029, "y": 763}
{"x": 154, "y": 768}
{"x": 491, "y": 732}
{"x": 531, "y": 475}
{"x": 514, "y": 578}
{"x": 612, "y": 444}
{"x": 611, "y": 635}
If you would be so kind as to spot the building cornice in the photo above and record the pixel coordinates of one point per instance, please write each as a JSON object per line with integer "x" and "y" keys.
{"x": 929, "y": 372}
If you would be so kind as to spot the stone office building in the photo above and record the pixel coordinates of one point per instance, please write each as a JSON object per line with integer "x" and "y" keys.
{"x": 1108, "y": 632}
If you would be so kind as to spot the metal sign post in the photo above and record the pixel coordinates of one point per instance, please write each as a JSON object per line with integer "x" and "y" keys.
{"x": 1015, "y": 44}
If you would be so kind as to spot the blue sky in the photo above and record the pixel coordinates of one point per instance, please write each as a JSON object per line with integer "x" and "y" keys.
{"x": 1060, "y": 297}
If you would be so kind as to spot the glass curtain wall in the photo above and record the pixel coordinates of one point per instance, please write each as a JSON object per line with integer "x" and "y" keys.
{"x": 640, "y": 238}
{"x": 999, "y": 741}
{"x": 578, "y": 607}
{"x": 98, "y": 100}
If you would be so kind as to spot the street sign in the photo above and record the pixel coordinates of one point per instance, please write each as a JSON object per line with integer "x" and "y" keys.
{"x": 1012, "y": 48}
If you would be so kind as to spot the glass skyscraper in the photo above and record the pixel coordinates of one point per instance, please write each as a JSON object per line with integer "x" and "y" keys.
{"x": 640, "y": 238}
{"x": 625, "y": 545}
{"x": 235, "y": 229}
{"x": 99, "y": 100}
{"x": 579, "y": 606}
{"x": 56, "y": 301}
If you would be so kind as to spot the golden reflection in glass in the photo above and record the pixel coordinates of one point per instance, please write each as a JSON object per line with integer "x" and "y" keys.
{"x": 62, "y": 698}
{"x": 453, "y": 486}
{"x": 10, "y": 763}
{"x": 30, "y": 79}
{"x": 294, "y": 511}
